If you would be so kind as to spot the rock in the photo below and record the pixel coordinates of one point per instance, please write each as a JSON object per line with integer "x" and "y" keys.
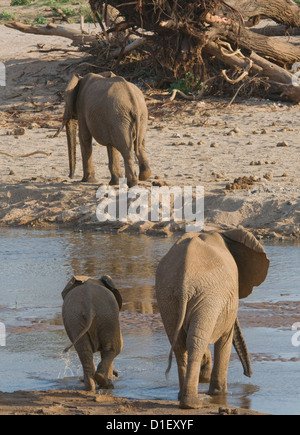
{"x": 16, "y": 132}
{"x": 11, "y": 172}
{"x": 285, "y": 175}
{"x": 268, "y": 176}
{"x": 214, "y": 145}
{"x": 283, "y": 144}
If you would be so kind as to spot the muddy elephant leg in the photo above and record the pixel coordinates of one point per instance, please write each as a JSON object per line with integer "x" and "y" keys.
{"x": 104, "y": 372}
{"x": 114, "y": 165}
{"x": 85, "y": 354}
{"x": 145, "y": 170}
{"x": 206, "y": 367}
{"x": 222, "y": 351}
{"x": 85, "y": 138}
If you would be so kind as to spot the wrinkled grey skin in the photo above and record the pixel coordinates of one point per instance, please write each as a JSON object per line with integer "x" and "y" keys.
{"x": 113, "y": 112}
{"x": 91, "y": 318}
{"x": 198, "y": 286}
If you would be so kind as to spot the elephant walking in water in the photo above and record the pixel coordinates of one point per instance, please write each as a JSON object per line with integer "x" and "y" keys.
{"x": 91, "y": 318}
{"x": 113, "y": 112}
{"x": 198, "y": 285}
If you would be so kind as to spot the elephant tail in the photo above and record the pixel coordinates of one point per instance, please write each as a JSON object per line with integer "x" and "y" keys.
{"x": 182, "y": 313}
{"x": 241, "y": 349}
{"x": 83, "y": 332}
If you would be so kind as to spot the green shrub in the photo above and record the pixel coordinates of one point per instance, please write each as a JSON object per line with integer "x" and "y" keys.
{"x": 20, "y": 2}
{"x": 187, "y": 84}
{"x": 6, "y": 16}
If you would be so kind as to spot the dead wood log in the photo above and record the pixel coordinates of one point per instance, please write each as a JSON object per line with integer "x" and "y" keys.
{"x": 286, "y": 92}
{"x": 260, "y": 66}
{"x": 282, "y": 11}
{"x": 276, "y": 50}
{"x": 54, "y": 30}
{"x": 277, "y": 30}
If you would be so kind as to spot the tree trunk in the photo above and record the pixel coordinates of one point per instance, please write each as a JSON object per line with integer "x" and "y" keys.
{"x": 282, "y": 11}
{"x": 273, "y": 49}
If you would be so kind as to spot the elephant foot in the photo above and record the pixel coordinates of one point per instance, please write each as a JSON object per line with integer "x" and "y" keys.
{"x": 145, "y": 173}
{"x": 89, "y": 179}
{"x": 89, "y": 385}
{"x": 103, "y": 382}
{"x": 114, "y": 181}
{"x": 188, "y": 402}
{"x": 217, "y": 390}
{"x": 132, "y": 183}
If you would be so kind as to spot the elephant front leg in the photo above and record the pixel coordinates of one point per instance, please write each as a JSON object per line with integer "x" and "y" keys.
{"x": 114, "y": 165}
{"x": 222, "y": 352}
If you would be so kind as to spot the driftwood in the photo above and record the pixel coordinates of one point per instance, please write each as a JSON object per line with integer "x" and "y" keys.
{"x": 54, "y": 30}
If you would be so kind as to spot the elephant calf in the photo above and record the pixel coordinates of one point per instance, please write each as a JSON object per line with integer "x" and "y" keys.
{"x": 91, "y": 318}
{"x": 113, "y": 111}
{"x": 198, "y": 285}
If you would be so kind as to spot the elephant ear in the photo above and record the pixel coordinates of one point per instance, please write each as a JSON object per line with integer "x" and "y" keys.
{"x": 70, "y": 97}
{"x": 108, "y": 283}
{"x": 73, "y": 283}
{"x": 250, "y": 257}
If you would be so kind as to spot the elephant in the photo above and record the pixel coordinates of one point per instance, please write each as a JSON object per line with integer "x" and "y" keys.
{"x": 113, "y": 111}
{"x": 198, "y": 286}
{"x": 90, "y": 315}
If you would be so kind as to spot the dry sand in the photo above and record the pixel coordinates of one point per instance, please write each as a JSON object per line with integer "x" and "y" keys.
{"x": 202, "y": 143}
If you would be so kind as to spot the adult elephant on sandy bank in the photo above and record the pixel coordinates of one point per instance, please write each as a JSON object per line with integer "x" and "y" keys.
{"x": 198, "y": 286}
{"x": 91, "y": 318}
{"x": 113, "y": 112}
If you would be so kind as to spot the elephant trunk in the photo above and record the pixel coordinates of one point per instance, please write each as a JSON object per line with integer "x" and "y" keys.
{"x": 71, "y": 127}
{"x": 241, "y": 349}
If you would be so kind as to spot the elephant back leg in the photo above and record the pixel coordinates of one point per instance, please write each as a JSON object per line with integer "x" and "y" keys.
{"x": 140, "y": 150}
{"x": 85, "y": 353}
{"x": 86, "y": 138}
{"x": 114, "y": 165}
{"x": 124, "y": 143}
{"x": 198, "y": 337}
{"x": 222, "y": 352}
{"x": 169, "y": 314}
{"x": 105, "y": 369}
{"x": 206, "y": 367}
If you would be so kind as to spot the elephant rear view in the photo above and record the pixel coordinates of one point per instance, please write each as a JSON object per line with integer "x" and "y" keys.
{"x": 198, "y": 286}
{"x": 112, "y": 111}
{"x": 91, "y": 318}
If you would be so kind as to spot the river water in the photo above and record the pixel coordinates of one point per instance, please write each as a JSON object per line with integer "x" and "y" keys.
{"x": 35, "y": 267}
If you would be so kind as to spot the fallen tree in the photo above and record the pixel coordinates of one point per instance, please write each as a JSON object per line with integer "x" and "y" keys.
{"x": 183, "y": 37}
